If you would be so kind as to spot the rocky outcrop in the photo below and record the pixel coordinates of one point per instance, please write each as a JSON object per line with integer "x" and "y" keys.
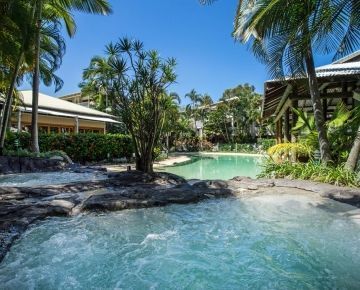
{"x": 11, "y": 164}
{"x": 22, "y": 206}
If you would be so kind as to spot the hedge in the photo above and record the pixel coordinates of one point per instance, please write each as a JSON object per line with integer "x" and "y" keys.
{"x": 83, "y": 147}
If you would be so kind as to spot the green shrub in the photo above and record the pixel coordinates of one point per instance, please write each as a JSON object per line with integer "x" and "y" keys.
{"x": 312, "y": 170}
{"x": 26, "y": 153}
{"x": 265, "y": 144}
{"x": 239, "y": 148}
{"x": 84, "y": 147}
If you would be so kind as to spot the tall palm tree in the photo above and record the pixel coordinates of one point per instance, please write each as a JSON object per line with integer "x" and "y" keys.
{"x": 52, "y": 48}
{"x": 61, "y": 9}
{"x": 194, "y": 97}
{"x": 15, "y": 39}
{"x": 354, "y": 154}
{"x": 285, "y": 35}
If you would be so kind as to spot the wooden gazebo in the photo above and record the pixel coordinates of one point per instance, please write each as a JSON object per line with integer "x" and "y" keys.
{"x": 338, "y": 81}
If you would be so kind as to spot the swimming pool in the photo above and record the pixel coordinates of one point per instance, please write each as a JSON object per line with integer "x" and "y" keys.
{"x": 49, "y": 178}
{"x": 261, "y": 242}
{"x": 218, "y": 167}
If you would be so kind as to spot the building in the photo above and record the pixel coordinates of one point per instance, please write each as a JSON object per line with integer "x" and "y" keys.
{"x": 59, "y": 116}
{"x": 338, "y": 82}
{"x": 77, "y": 98}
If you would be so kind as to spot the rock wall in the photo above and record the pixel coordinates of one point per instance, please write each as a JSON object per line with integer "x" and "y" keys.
{"x": 10, "y": 164}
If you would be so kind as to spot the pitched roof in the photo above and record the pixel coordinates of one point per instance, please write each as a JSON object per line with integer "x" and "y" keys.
{"x": 338, "y": 69}
{"x": 346, "y": 66}
{"x": 56, "y": 104}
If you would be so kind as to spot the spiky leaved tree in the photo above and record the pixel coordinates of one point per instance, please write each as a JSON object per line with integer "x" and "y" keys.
{"x": 140, "y": 84}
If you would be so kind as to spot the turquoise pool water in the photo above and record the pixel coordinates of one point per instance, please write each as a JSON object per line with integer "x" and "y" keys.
{"x": 265, "y": 242}
{"x": 218, "y": 167}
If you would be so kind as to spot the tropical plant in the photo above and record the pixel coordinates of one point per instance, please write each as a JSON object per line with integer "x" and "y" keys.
{"x": 83, "y": 147}
{"x": 289, "y": 151}
{"x": 284, "y": 34}
{"x": 140, "y": 83}
{"x": 352, "y": 161}
{"x": 60, "y": 10}
{"x": 20, "y": 60}
{"x": 340, "y": 129}
{"x": 312, "y": 170}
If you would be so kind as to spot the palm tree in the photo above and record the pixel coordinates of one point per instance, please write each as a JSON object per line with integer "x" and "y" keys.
{"x": 61, "y": 9}
{"x": 354, "y": 154}
{"x": 194, "y": 97}
{"x": 52, "y": 49}
{"x": 15, "y": 39}
{"x": 284, "y": 35}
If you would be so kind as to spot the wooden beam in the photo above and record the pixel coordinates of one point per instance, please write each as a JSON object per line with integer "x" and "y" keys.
{"x": 284, "y": 102}
{"x": 283, "y": 109}
{"x": 326, "y": 96}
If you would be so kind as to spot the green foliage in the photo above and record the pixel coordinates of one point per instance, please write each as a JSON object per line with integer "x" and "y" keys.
{"x": 285, "y": 150}
{"x": 265, "y": 144}
{"x": 82, "y": 148}
{"x": 239, "y": 148}
{"x": 136, "y": 80}
{"x": 314, "y": 171}
{"x": 241, "y": 106}
{"x": 341, "y": 131}
{"x": 26, "y": 153}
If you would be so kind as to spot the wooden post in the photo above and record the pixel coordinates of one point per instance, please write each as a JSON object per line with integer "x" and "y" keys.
{"x": 76, "y": 125}
{"x": 279, "y": 131}
{"x": 294, "y": 118}
{"x": 19, "y": 121}
{"x": 287, "y": 137}
{"x": 344, "y": 90}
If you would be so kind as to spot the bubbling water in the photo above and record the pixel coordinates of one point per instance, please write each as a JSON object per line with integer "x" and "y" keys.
{"x": 269, "y": 242}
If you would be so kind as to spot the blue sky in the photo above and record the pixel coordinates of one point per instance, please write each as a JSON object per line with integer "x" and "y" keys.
{"x": 199, "y": 37}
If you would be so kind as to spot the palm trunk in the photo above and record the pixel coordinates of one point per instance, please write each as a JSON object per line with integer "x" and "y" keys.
{"x": 354, "y": 153}
{"x": 317, "y": 107}
{"x": 8, "y": 103}
{"x": 36, "y": 83}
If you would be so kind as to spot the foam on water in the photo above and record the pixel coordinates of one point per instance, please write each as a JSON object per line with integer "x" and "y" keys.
{"x": 267, "y": 242}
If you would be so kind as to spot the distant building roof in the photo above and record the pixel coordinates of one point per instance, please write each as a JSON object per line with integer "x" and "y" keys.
{"x": 57, "y": 107}
{"x": 56, "y": 104}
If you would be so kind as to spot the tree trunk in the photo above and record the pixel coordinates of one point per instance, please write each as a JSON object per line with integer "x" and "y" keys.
{"x": 144, "y": 164}
{"x": 36, "y": 83}
{"x": 354, "y": 153}
{"x": 8, "y": 102}
{"x": 317, "y": 107}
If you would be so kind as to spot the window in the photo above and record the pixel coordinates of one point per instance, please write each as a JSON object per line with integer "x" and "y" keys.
{"x": 54, "y": 130}
{"x": 43, "y": 129}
